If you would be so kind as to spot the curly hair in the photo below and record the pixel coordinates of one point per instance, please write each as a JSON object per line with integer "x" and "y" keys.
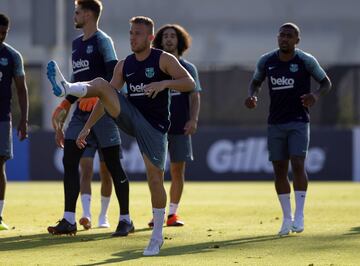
{"x": 184, "y": 38}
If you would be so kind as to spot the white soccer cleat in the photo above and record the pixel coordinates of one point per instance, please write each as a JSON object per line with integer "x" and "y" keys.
{"x": 103, "y": 222}
{"x": 298, "y": 225}
{"x": 57, "y": 80}
{"x": 285, "y": 227}
{"x": 153, "y": 248}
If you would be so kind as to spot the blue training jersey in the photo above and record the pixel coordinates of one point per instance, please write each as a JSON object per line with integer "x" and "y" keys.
{"x": 180, "y": 102}
{"x": 89, "y": 59}
{"x": 287, "y": 81}
{"x": 11, "y": 65}
{"x": 137, "y": 74}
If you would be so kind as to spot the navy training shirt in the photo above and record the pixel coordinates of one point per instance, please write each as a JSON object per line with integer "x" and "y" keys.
{"x": 11, "y": 65}
{"x": 287, "y": 81}
{"x": 180, "y": 101}
{"x": 89, "y": 59}
{"x": 137, "y": 74}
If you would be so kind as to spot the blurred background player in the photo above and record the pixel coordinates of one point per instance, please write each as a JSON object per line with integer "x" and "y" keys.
{"x": 11, "y": 67}
{"x": 289, "y": 71}
{"x": 184, "y": 114}
{"x": 93, "y": 55}
{"x": 144, "y": 113}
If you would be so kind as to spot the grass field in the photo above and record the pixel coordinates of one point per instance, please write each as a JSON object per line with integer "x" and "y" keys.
{"x": 226, "y": 224}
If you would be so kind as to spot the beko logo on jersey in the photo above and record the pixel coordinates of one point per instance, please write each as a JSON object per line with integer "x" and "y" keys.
{"x": 282, "y": 83}
{"x": 80, "y": 65}
{"x": 137, "y": 90}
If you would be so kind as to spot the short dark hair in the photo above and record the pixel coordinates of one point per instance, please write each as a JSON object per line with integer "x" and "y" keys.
{"x": 94, "y": 6}
{"x": 143, "y": 20}
{"x": 184, "y": 38}
{"x": 4, "y": 20}
{"x": 291, "y": 26}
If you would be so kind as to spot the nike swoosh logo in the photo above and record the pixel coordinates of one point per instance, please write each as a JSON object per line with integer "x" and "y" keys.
{"x": 128, "y": 75}
{"x": 73, "y": 51}
{"x": 123, "y": 181}
{"x": 272, "y": 67}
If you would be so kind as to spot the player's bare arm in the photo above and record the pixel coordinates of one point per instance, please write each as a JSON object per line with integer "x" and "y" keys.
{"x": 310, "y": 99}
{"x": 182, "y": 80}
{"x": 254, "y": 89}
{"x": 191, "y": 125}
{"x": 117, "y": 81}
{"x": 22, "y": 93}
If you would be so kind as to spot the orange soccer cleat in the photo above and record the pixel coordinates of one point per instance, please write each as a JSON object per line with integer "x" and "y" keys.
{"x": 174, "y": 220}
{"x": 85, "y": 222}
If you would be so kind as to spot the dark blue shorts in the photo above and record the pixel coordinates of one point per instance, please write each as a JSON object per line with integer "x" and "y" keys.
{"x": 180, "y": 148}
{"x": 6, "y": 141}
{"x": 151, "y": 141}
{"x": 288, "y": 139}
{"x": 104, "y": 133}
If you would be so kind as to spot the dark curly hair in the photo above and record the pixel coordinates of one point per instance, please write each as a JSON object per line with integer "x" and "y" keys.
{"x": 184, "y": 38}
{"x": 4, "y": 20}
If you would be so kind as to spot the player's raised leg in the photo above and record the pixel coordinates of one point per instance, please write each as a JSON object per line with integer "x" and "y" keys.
{"x": 98, "y": 87}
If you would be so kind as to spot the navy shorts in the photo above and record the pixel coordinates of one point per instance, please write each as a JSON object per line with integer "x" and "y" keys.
{"x": 285, "y": 140}
{"x": 103, "y": 134}
{"x": 180, "y": 148}
{"x": 151, "y": 141}
{"x": 6, "y": 141}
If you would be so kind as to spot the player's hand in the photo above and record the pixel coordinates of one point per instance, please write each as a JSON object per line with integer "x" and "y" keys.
{"x": 81, "y": 139}
{"x": 152, "y": 89}
{"x": 60, "y": 114}
{"x": 190, "y": 127}
{"x": 87, "y": 104}
{"x": 59, "y": 138}
{"x": 251, "y": 102}
{"x": 309, "y": 99}
{"x": 22, "y": 130}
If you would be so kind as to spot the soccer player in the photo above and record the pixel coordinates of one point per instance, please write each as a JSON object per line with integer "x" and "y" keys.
{"x": 93, "y": 55}
{"x": 289, "y": 71}
{"x": 144, "y": 113}
{"x": 11, "y": 67}
{"x": 184, "y": 114}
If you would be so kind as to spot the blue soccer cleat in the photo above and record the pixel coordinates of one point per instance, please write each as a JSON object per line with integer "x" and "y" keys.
{"x": 57, "y": 80}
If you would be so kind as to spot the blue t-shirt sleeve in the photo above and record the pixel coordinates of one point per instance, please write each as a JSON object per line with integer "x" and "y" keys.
{"x": 314, "y": 68}
{"x": 18, "y": 64}
{"x": 194, "y": 73}
{"x": 106, "y": 48}
{"x": 260, "y": 73}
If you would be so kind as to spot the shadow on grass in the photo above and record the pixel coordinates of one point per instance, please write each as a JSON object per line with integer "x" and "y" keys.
{"x": 354, "y": 231}
{"x": 210, "y": 246}
{"x": 22, "y": 242}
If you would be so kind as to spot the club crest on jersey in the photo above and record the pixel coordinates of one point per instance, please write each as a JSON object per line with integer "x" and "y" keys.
{"x": 4, "y": 61}
{"x": 294, "y": 67}
{"x": 89, "y": 49}
{"x": 149, "y": 72}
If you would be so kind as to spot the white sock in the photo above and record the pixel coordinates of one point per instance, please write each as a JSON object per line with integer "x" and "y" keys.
{"x": 125, "y": 217}
{"x": 158, "y": 215}
{"x": 2, "y": 203}
{"x": 86, "y": 202}
{"x": 70, "y": 217}
{"x": 173, "y": 208}
{"x": 78, "y": 89}
{"x": 105, "y": 201}
{"x": 300, "y": 202}
{"x": 285, "y": 205}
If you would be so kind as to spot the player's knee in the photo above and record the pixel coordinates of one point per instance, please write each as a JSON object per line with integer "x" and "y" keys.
{"x": 155, "y": 181}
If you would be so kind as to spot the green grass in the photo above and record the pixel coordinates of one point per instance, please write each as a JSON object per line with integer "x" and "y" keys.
{"x": 226, "y": 224}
